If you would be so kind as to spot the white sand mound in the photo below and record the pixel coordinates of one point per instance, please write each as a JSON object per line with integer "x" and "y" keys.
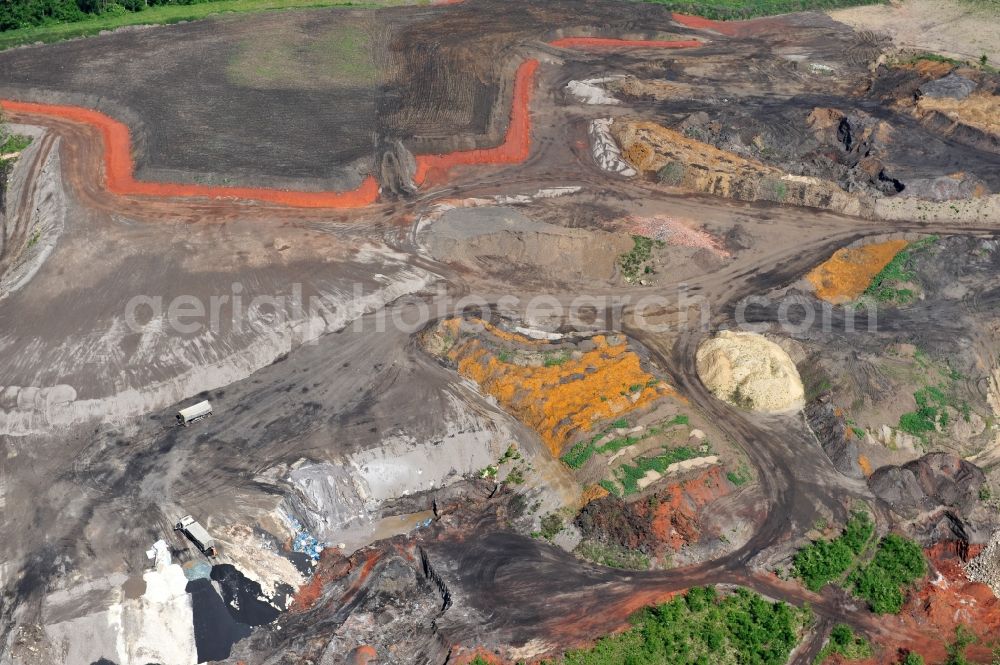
{"x": 747, "y": 370}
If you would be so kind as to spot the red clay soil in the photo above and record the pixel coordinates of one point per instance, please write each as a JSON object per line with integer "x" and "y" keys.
{"x": 702, "y": 23}
{"x": 584, "y": 43}
{"x": 664, "y": 523}
{"x": 119, "y": 169}
{"x": 516, "y": 145}
{"x": 727, "y": 28}
{"x": 948, "y": 599}
{"x": 362, "y": 655}
{"x": 332, "y": 567}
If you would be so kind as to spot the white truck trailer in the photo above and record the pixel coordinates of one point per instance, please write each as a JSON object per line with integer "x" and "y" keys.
{"x": 194, "y": 413}
{"x": 197, "y": 534}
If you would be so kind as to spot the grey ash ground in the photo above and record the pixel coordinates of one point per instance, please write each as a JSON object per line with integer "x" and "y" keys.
{"x": 427, "y": 451}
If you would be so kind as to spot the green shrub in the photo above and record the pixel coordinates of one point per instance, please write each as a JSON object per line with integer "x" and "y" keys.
{"x": 843, "y": 641}
{"x": 956, "y": 650}
{"x": 629, "y": 474}
{"x": 733, "y": 10}
{"x": 824, "y": 561}
{"x": 898, "y": 562}
{"x": 884, "y": 286}
{"x": 671, "y": 174}
{"x": 740, "y": 476}
{"x": 702, "y": 627}
{"x": 633, "y": 262}
{"x": 580, "y": 452}
{"x": 13, "y": 143}
{"x": 613, "y": 556}
{"x": 552, "y": 524}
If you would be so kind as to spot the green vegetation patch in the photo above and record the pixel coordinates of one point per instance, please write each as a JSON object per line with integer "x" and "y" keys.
{"x": 703, "y": 627}
{"x": 934, "y": 401}
{"x": 341, "y": 55}
{"x": 843, "y": 641}
{"x": 635, "y": 262}
{"x": 14, "y": 143}
{"x": 613, "y": 556}
{"x": 898, "y": 563}
{"x": 9, "y": 144}
{"x": 956, "y": 650}
{"x": 734, "y": 10}
{"x": 582, "y": 451}
{"x": 885, "y": 286}
{"x": 551, "y": 525}
{"x": 630, "y": 474}
{"x": 825, "y": 561}
{"x": 930, "y": 413}
{"x": 29, "y": 21}
{"x": 740, "y": 476}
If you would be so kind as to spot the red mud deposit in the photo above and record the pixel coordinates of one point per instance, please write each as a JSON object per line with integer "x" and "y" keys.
{"x": 585, "y": 43}
{"x": 362, "y": 655}
{"x": 516, "y": 145}
{"x": 729, "y": 28}
{"x": 333, "y": 567}
{"x": 948, "y": 599}
{"x": 667, "y": 521}
{"x": 119, "y": 168}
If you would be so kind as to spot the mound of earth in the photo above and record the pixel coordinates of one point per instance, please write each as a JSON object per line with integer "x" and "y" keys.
{"x": 685, "y": 162}
{"x": 750, "y": 371}
{"x": 979, "y": 111}
{"x": 558, "y": 389}
{"x": 505, "y": 241}
{"x": 659, "y": 525}
{"x": 837, "y": 439}
{"x": 936, "y": 479}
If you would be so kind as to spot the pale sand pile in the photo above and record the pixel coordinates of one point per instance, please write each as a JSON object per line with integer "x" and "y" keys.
{"x": 747, "y": 370}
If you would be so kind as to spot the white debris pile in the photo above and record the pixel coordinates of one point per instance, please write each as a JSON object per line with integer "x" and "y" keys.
{"x": 607, "y": 154}
{"x": 985, "y": 568}
{"x": 158, "y": 627}
{"x": 589, "y": 91}
{"x": 257, "y": 559}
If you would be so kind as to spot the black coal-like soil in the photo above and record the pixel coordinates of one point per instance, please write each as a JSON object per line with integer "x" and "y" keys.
{"x": 215, "y": 629}
{"x": 441, "y": 76}
{"x": 243, "y": 596}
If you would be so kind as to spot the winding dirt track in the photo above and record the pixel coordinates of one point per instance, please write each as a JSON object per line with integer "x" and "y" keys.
{"x": 570, "y": 599}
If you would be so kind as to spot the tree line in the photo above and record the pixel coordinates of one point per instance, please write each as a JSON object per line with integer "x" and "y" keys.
{"x": 16, "y": 14}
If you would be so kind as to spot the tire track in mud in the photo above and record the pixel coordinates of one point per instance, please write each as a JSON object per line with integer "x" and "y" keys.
{"x": 603, "y": 603}
{"x": 119, "y": 169}
{"x": 532, "y": 591}
{"x": 16, "y": 221}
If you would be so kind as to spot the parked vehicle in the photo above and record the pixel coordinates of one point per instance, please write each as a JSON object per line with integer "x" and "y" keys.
{"x": 194, "y": 413}
{"x": 197, "y": 534}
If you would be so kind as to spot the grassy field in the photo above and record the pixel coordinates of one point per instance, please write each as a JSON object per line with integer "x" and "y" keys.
{"x": 165, "y": 14}
{"x": 740, "y": 9}
{"x": 289, "y": 60}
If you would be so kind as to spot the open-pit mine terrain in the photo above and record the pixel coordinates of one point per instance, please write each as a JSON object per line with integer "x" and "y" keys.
{"x": 499, "y": 331}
